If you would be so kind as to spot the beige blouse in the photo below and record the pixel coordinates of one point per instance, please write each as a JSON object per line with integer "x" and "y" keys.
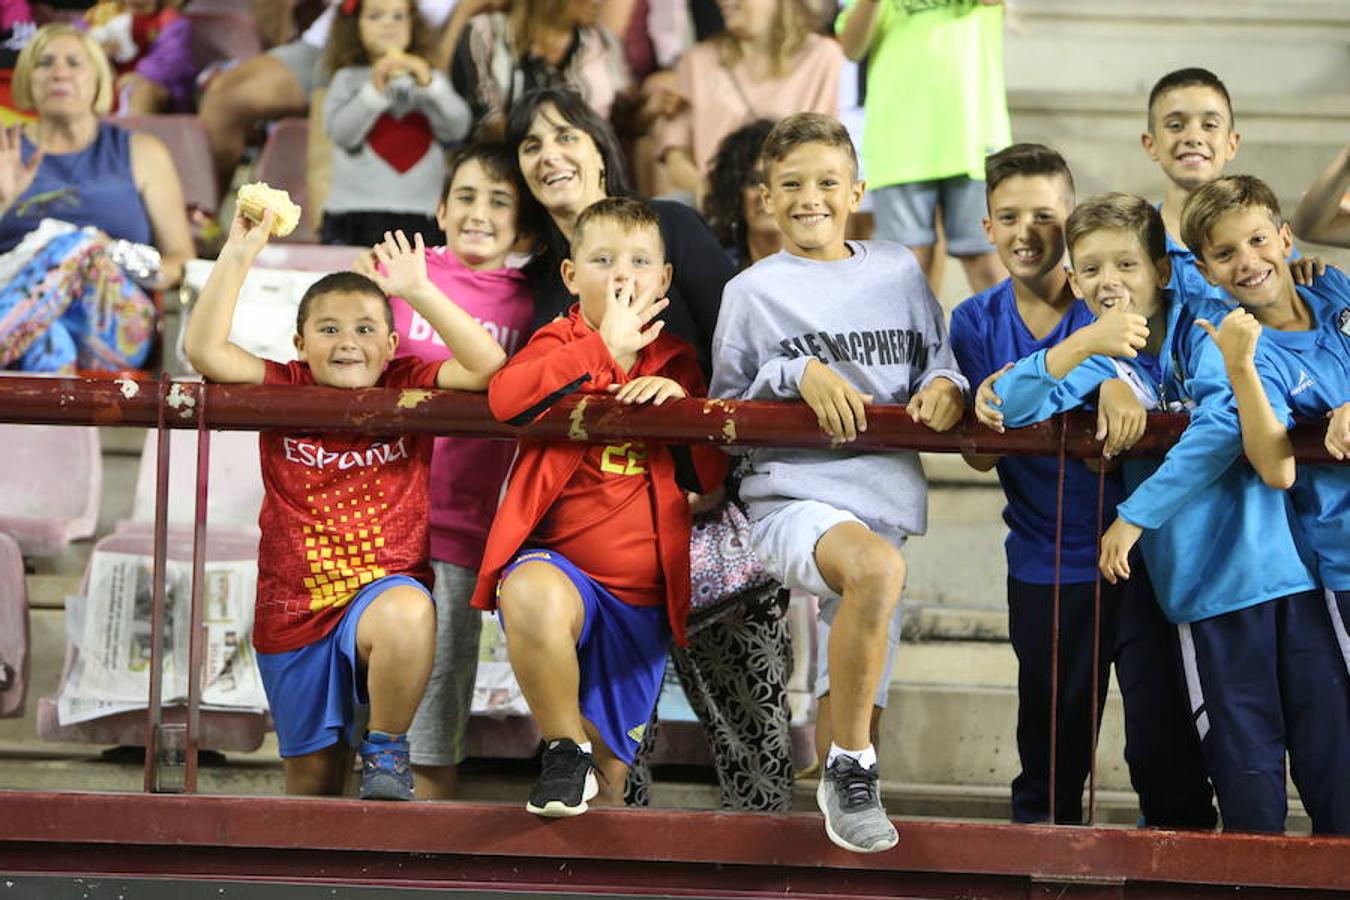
{"x": 720, "y": 100}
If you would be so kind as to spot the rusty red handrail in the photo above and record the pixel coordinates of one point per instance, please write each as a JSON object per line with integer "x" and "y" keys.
{"x": 1098, "y": 857}
{"x": 73, "y": 401}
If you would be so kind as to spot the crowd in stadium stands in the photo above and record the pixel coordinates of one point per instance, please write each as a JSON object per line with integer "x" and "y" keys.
{"x": 481, "y": 154}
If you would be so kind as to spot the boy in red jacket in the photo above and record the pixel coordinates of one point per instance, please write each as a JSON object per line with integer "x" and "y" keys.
{"x": 588, "y": 557}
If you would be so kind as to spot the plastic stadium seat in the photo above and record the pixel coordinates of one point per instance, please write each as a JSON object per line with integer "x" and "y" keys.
{"x": 13, "y": 630}
{"x": 219, "y": 37}
{"x": 283, "y": 164}
{"x": 186, "y": 139}
{"x": 50, "y": 486}
{"x": 235, "y": 496}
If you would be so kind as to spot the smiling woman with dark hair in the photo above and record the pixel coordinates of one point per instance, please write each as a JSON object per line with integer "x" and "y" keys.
{"x": 570, "y": 158}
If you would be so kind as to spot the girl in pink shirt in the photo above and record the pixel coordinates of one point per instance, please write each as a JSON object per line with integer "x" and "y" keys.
{"x": 479, "y": 212}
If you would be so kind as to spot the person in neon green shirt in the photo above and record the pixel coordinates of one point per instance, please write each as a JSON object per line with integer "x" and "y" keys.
{"x": 935, "y": 108}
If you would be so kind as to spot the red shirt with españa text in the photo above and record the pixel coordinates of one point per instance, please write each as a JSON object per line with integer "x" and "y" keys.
{"x": 340, "y": 510}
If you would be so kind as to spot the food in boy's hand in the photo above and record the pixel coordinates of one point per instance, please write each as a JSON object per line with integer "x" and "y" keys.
{"x": 256, "y": 198}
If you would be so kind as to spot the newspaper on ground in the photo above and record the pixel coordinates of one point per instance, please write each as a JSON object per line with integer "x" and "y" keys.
{"x": 110, "y": 627}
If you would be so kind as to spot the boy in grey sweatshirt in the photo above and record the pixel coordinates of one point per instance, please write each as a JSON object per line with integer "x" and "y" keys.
{"x": 838, "y": 324}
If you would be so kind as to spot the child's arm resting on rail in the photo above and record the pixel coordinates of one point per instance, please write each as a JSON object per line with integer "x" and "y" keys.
{"x": 208, "y": 331}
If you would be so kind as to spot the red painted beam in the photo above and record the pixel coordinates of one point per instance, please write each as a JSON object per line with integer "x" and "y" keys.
{"x": 580, "y": 417}
{"x": 104, "y": 826}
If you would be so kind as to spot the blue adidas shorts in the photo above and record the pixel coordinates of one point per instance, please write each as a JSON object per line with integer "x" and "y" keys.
{"x": 621, "y": 653}
{"x": 314, "y": 691}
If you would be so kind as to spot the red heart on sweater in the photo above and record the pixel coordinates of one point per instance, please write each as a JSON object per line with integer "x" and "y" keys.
{"x": 401, "y": 142}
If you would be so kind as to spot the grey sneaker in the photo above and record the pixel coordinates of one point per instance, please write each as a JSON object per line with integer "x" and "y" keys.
{"x": 850, "y": 798}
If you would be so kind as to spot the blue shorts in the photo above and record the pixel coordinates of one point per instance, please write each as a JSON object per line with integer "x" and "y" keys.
{"x": 314, "y": 691}
{"x": 621, "y": 654}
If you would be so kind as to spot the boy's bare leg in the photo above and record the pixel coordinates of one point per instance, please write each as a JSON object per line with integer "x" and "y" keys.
{"x": 395, "y": 641}
{"x": 436, "y": 782}
{"x": 543, "y": 617}
{"x": 983, "y": 271}
{"x": 258, "y": 89}
{"x": 613, "y": 771}
{"x": 322, "y": 773}
{"x": 868, "y": 572}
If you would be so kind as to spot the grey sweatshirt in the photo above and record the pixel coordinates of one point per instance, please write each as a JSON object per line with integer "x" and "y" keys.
{"x": 873, "y": 320}
{"x": 365, "y": 181}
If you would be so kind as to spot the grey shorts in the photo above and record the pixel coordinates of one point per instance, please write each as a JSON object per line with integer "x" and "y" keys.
{"x": 305, "y": 62}
{"x": 785, "y": 542}
{"x": 906, "y": 214}
{"x": 438, "y": 728}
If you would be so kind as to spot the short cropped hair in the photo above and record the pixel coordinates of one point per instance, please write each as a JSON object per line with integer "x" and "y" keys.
{"x": 500, "y": 163}
{"x": 1191, "y": 77}
{"x": 629, "y": 213}
{"x": 1221, "y": 196}
{"x": 1024, "y": 159}
{"x": 22, "y": 88}
{"x": 808, "y": 128}
{"x": 344, "y": 283}
{"x": 1127, "y": 212}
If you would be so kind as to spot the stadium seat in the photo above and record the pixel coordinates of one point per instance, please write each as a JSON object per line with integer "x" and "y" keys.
{"x": 235, "y": 496}
{"x": 13, "y": 630}
{"x": 220, "y": 36}
{"x": 186, "y": 139}
{"x": 50, "y": 486}
{"x": 282, "y": 164}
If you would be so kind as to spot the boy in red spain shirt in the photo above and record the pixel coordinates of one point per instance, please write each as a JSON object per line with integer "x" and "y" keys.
{"x": 588, "y": 558}
{"x": 343, "y": 613}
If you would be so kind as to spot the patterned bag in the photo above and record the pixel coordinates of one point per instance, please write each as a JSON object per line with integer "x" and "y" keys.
{"x": 722, "y": 566}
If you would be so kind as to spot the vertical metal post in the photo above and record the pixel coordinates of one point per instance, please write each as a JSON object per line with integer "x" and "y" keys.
{"x": 153, "y": 713}
{"x": 196, "y": 640}
{"x": 1054, "y": 617}
{"x": 1096, "y": 650}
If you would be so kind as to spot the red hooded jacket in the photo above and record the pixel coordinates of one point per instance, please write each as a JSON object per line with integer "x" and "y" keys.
{"x": 564, "y": 357}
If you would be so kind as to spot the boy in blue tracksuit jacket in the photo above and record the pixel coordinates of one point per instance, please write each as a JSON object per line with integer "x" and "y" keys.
{"x": 1287, "y": 355}
{"x": 1030, "y": 194}
{"x": 1219, "y": 544}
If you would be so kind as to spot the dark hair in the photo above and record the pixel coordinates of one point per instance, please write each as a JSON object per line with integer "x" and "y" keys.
{"x": 1024, "y": 160}
{"x": 499, "y": 163}
{"x": 1125, "y": 212}
{"x": 1191, "y": 77}
{"x": 341, "y": 282}
{"x": 344, "y": 38}
{"x": 808, "y": 128}
{"x": 630, "y": 213}
{"x": 730, "y": 171}
{"x": 550, "y": 245}
{"x": 1221, "y": 196}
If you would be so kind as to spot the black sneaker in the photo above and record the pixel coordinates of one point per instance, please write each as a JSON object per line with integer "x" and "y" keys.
{"x": 566, "y": 782}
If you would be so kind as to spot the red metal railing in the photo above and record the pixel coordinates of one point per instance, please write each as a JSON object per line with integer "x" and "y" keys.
{"x": 1292, "y": 862}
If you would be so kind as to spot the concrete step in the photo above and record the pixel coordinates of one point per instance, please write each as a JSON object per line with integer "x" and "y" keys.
{"x": 1105, "y": 45}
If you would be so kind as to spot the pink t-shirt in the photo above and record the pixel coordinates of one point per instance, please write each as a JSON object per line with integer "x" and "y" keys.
{"x": 466, "y": 473}
{"x": 720, "y": 100}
